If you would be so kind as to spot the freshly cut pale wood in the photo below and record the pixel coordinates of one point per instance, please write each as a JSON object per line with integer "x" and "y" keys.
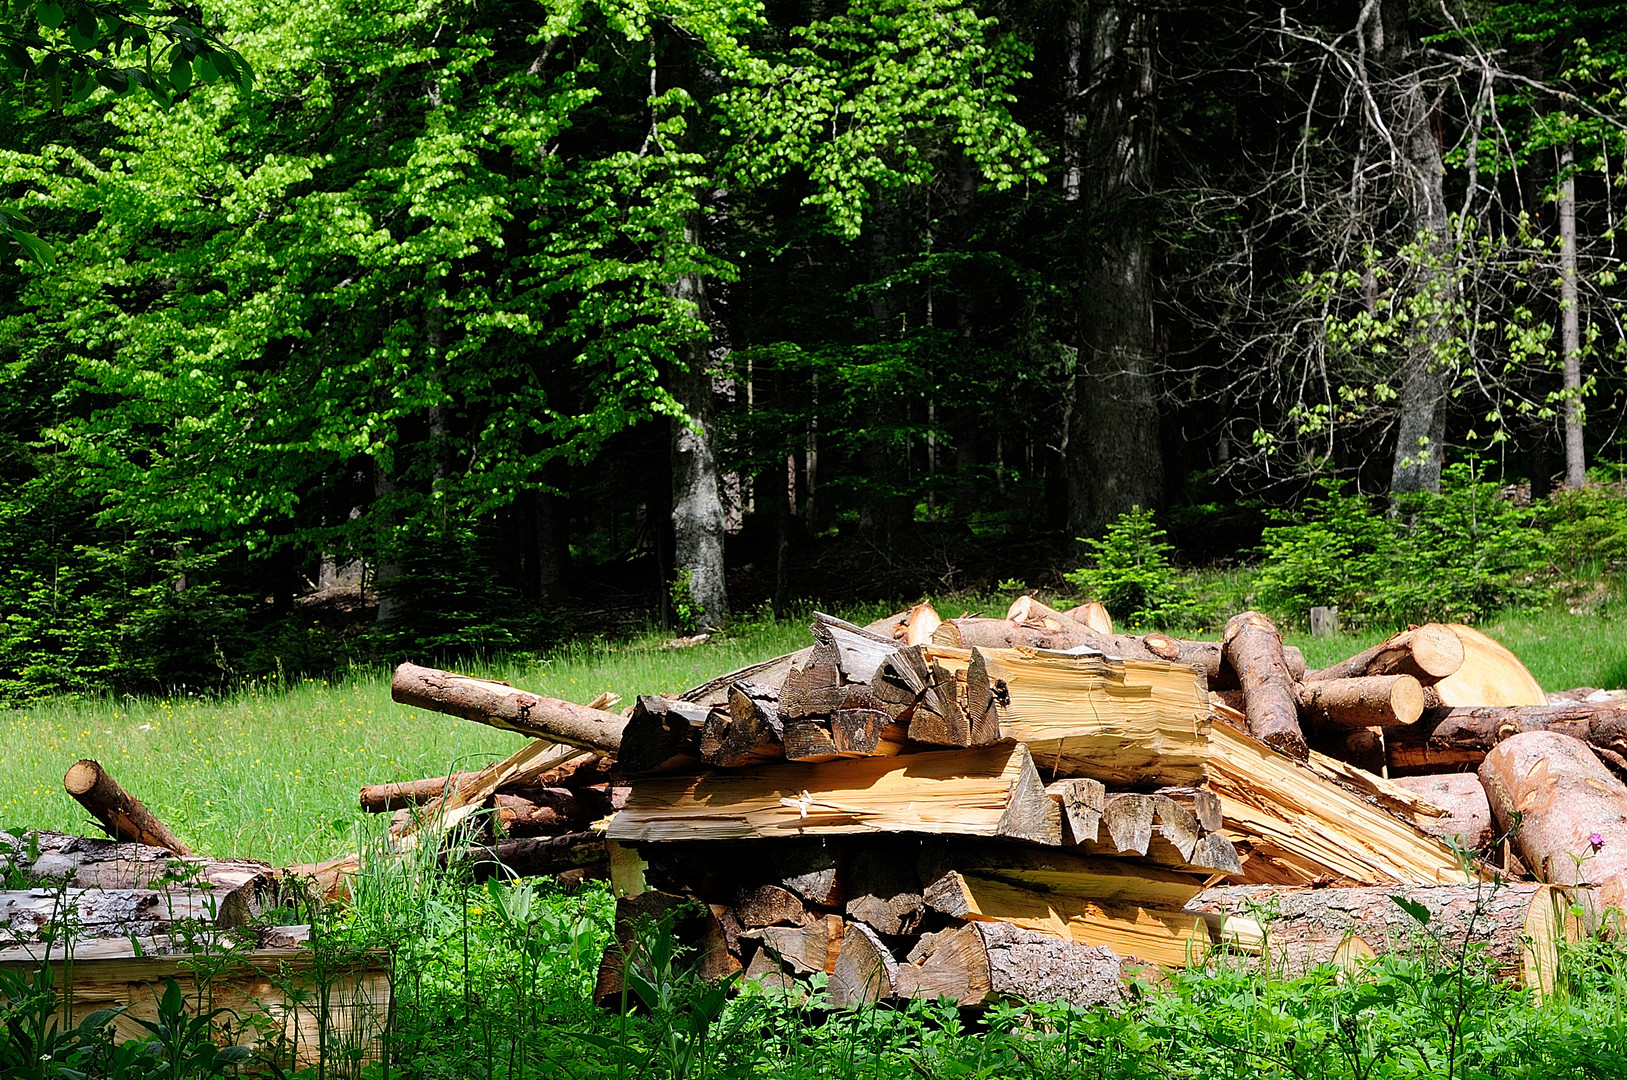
{"x": 1570, "y": 812}
{"x": 116, "y": 810}
{"x": 991, "y": 791}
{"x": 1169, "y": 938}
{"x": 865, "y": 970}
{"x": 1128, "y": 723}
{"x": 278, "y": 997}
{"x": 443, "y": 815}
{"x": 1490, "y": 675}
{"x": 1028, "y": 612}
{"x": 1093, "y": 615}
{"x": 1253, "y": 649}
{"x": 1429, "y": 653}
{"x": 1467, "y": 821}
{"x": 1365, "y": 701}
{"x": 1293, "y": 826}
{"x": 1519, "y": 924}
{"x": 1045, "y": 870}
{"x": 500, "y": 705}
{"x": 989, "y": 961}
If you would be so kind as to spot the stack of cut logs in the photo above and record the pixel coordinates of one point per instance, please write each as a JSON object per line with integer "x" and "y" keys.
{"x": 1031, "y": 806}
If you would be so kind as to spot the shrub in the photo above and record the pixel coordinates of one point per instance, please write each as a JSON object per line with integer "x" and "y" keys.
{"x": 1133, "y": 576}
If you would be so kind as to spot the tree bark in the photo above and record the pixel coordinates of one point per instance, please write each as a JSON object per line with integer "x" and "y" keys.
{"x": 1253, "y": 648}
{"x": 1461, "y": 738}
{"x": 1428, "y": 653}
{"x": 1468, "y": 816}
{"x": 1114, "y": 457}
{"x": 500, "y": 705}
{"x": 1570, "y": 326}
{"x": 697, "y": 508}
{"x": 1421, "y": 423}
{"x": 116, "y": 810}
{"x": 1568, "y": 812}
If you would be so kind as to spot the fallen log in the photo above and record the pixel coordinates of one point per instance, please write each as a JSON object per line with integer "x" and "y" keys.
{"x": 1093, "y": 615}
{"x": 1567, "y": 811}
{"x": 105, "y": 913}
{"x": 441, "y": 816}
{"x": 1253, "y": 649}
{"x": 772, "y": 672}
{"x": 94, "y": 863}
{"x": 992, "y": 791}
{"x": 532, "y": 857}
{"x": 1467, "y": 821}
{"x": 117, "y": 811}
{"x": 1460, "y": 738}
{"x": 544, "y": 811}
{"x": 1490, "y": 675}
{"x": 1519, "y": 924}
{"x": 500, "y": 705}
{"x": 585, "y": 769}
{"x": 1428, "y": 653}
{"x": 1359, "y": 702}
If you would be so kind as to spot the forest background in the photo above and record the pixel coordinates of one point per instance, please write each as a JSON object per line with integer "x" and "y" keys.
{"x": 334, "y": 332}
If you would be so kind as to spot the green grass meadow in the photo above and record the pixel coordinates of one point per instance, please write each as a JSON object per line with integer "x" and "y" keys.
{"x": 271, "y": 771}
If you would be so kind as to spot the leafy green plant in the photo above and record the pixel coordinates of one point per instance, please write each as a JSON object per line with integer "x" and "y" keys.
{"x": 686, "y": 612}
{"x": 1132, "y": 575}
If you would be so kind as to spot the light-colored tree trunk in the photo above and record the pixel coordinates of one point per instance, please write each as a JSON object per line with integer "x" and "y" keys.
{"x": 1421, "y": 425}
{"x": 697, "y": 508}
{"x": 1114, "y": 460}
{"x": 1570, "y": 324}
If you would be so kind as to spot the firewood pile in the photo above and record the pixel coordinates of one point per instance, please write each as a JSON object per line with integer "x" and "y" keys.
{"x": 1035, "y": 807}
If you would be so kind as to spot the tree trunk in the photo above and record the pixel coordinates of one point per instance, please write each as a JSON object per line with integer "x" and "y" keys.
{"x": 697, "y": 508}
{"x": 1115, "y": 458}
{"x": 1421, "y": 424}
{"x": 1570, "y": 326}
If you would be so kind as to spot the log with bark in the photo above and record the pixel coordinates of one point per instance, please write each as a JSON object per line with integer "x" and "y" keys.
{"x": 1567, "y": 811}
{"x": 499, "y": 705}
{"x": 1253, "y": 649}
{"x": 1460, "y": 738}
{"x": 1520, "y": 925}
{"x": 1467, "y": 821}
{"x": 441, "y": 816}
{"x": 583, "y": 770}
{"x": 989, "y": 961}
{"x": 532, "y": 857}
{"x": 1428, "y": 653}
{"x": 117, "y": 811}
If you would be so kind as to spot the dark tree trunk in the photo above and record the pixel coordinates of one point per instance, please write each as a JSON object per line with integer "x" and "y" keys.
{"x": 1113, "y": 459}
{"x": 1421, "y": 425}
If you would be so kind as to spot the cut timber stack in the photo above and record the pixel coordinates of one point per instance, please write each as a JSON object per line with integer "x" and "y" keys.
{"x": 1031, "y": 806}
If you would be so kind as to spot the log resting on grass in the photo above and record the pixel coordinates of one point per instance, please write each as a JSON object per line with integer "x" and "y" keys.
{"x": 116, "y": 810}
{"x": 1570, "y": 812}
{"x": 500, "y": 705}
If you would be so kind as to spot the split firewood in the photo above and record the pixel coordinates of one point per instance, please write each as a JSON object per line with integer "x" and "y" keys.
{"x": 118, "y": 812}
{"x": 1169, "y": 938}
{"x": 944, "y": 721}
{"x": 809, "y": 869}
{"x": 768, "y": 905}
{"x": 533, "y": 856}
{"x": 1029, "y": 613}
{"x": 1568, "y": 812}
{"x": 991, "y": 791}
{"x": 661, "y": 735}
{"x": 858, "y": 651}
{"x": 862, "y": 727}
{"x": 1253, "y": 648}
{"x": 1128, "y": 723}
{"x": 1293, "y": 826}
{"x": 985, "y": 694}
{"x": 1519, "y": 924}
{"x": 772, "y": 672}
{"x": 883, "y": 889}
{"x": 694, "y": 925}
{"x": 1428, "y": 653}
{"x": 749, "y": 732}
{"x": 990, "y": 961}
{"x": 1467, "y": 821}
{"x": 1081, "y": 801}
{"x": 500, "y": 705}
{"x": 798, "y": 950}
{"x": 865, "y": 970}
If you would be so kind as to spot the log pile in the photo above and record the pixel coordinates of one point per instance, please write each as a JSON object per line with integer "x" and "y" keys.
{"x": 1031, "y": 806}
